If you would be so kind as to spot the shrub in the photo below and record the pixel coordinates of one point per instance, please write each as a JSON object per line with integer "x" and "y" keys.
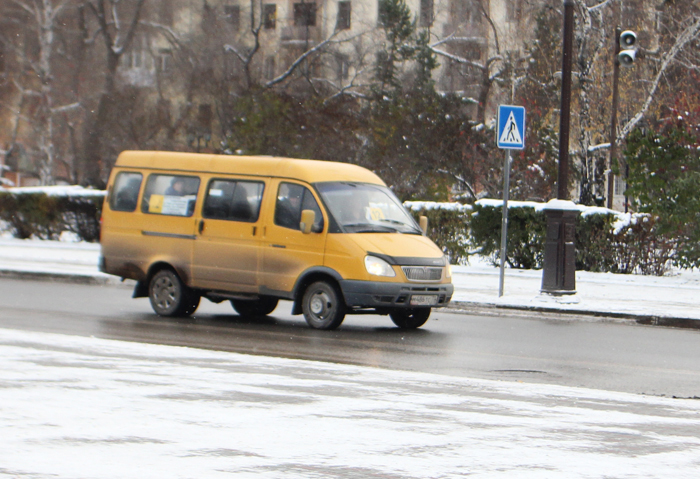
{"x": 526, "y": 234}
{"x": 606, "y": 240}
{"x": 447, "y": 226}
{"x": 45, "y": 213}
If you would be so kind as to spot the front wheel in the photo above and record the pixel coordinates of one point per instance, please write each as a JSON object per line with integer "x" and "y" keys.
{"x": 256, "y": 307}
{"x": 323, "y": 306}
{"x": 410, "y": 318}
{"x": 170, "y": 296}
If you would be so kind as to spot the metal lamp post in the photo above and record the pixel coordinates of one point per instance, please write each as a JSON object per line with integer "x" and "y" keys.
{"x": 559, "y": 272}
{"x": 613, "y": 120}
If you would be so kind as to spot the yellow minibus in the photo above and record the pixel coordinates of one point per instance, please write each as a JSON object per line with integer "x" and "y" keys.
{"x": 330, "y": 237}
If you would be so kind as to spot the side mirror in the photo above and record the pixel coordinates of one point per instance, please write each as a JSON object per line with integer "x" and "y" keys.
{"x": 308, "y": 217}
{"x": 423, "y": 222}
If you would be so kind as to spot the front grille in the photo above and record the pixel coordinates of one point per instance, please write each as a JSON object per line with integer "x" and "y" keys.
{"x": 422, "y": 273}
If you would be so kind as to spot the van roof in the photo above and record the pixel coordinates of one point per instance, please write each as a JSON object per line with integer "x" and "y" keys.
{"x": 311, "y": 171}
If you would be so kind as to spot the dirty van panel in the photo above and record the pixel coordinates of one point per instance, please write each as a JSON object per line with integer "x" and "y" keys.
{"x": 121, "y": 234}
{"x": 166, "y": 220}
{"x": 287, "y": 251}
{"x": 226, "y": 252}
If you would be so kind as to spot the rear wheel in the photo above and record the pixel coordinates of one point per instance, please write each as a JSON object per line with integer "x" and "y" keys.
{"x": 323, "y": 306}
{"x": 410, "y": 318}
{"x": 170, "y": 296}
{"x": 256, "y": 307}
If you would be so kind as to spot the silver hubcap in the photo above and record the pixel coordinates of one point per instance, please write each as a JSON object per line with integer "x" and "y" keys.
{"x": 320, "y": 304}
{"x": 164, "y": 292}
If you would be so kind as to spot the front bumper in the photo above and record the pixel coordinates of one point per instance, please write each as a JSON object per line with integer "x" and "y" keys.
{"x": 377, "y": 294}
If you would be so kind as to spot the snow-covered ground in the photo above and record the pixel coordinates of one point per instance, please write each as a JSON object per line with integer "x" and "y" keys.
{"x": 74, "y": 407}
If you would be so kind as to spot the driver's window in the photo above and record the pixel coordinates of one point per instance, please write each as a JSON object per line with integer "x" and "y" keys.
{"x": 292, "y": 199}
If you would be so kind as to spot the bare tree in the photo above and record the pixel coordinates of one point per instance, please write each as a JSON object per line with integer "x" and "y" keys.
{"x": 39, "y": 96}
{"x": 116, "y": 24}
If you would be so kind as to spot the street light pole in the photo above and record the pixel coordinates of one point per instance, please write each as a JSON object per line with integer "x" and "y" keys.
{"x": 613, "y": 121}
{"x": 559, "y": 272}
{"x": 565, "y": 116}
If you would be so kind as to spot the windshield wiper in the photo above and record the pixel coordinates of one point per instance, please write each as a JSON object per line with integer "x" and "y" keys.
{"x": 407, "y": 226}
{"x": 370, "y": 227}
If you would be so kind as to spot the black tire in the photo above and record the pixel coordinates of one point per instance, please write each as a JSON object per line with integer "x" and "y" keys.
{"x": 323, "y": 306}
{"x": 257, "y": 307}
{"x": 170, "y": 296}
{"x": 410, "y": 318}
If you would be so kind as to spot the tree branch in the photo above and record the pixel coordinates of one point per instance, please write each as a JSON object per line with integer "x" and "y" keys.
{"x": 687, "y": 36}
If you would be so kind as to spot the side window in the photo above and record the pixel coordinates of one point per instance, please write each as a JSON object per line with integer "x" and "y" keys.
{"x": 126, "y": 191}
{"x": 172, "y": 195}
{"x": 233, "y": 200}
{"x": 291, "y": 200}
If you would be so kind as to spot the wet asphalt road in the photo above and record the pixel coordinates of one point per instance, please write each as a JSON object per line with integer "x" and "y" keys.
{"x": 611, "y": 356}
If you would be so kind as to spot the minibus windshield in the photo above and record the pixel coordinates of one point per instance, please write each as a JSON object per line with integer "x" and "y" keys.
{"x": 366, "y": 208}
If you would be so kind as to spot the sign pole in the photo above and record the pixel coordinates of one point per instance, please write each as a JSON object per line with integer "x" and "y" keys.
{"x": 504, "y": 222}
{"x": 510, "y": 135}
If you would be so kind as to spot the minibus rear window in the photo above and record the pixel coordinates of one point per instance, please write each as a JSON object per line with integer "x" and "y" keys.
{"x": 126, "y": 191}
{"x": 171, "y": 195}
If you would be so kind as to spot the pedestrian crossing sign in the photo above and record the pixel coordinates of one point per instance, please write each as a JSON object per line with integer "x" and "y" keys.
{"x": 511, "y": 127}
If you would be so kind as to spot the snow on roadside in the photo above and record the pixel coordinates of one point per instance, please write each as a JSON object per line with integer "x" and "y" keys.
{"x": 86, "y": 407}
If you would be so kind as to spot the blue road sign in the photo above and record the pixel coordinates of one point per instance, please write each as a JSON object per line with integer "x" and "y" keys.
{"x": 511, "y": 127}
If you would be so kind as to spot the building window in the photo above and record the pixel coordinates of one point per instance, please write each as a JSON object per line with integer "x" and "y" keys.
{"x": 139, "y": 56}
{"x": 343, "y": 72}
{"x": 513, "y": 10}
{"x": 164, "y": 59}
{"x": 305, "y": 14}
{"x": 344, "y": 13}
{"x": 270, "y": 16}
{"x": 233, "y": 16}
{"x": 426, "y": 13}
{"x": 269, "y": 68}
{"x": 659, "y": 21}
{"x": 463, "y": 12}
{"x": 620, "y": 186}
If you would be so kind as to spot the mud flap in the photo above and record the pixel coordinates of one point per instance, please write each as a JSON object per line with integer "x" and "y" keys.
{"x": 140, "y": 290}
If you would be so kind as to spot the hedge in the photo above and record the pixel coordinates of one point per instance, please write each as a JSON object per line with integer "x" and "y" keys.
{"x": 606, "y": 240}
{"x": 47, "y": 212}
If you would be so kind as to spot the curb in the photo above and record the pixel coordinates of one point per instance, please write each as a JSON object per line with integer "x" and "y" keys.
{"x": 63, "y": 277}
{"x": 499, "y": 310}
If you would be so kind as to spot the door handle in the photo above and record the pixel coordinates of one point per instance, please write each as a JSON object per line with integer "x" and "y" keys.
{"x": 201, "y": 226}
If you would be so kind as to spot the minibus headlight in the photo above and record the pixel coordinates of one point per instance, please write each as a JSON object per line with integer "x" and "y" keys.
{"x": 378, "y": 267}
{"x": 448, "y": 268}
